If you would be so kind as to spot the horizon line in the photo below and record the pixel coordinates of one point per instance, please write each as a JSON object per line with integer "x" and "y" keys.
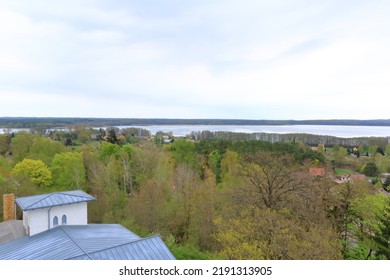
{"x": 165, "y": 118}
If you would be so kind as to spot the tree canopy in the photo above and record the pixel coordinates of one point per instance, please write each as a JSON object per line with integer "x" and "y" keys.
{"x": 36, "y": 170}
{"x": 68, "y": 171}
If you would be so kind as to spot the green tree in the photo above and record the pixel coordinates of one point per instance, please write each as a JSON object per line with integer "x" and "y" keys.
{"x": 111, "y": 135}
{"x": 185, "y": 251}
{"x": 185, "y": 183}
{"x": 372, "y": 149}
{"x": 44, "y": 149}
{"x": 83, "y": 134}
{"x": 184, "y": 152}
{"x": 380, "y": 151}
{"x": 339, "y": 153}
{"x": 214, "y": 163}
{"x": 363, "y": 149}
{"x": 386, "y": 184}
{"x": 273, "y": 234}
{"x": 321, "y": 149}
{"x": 5, "y": 143}
{"x": 68, "y": 171}
{"x": 21, "y": 145}
{"x": 364, "y": 227}
{"x": 147, "y": 206}
{"x": 230, "y": 168}
{"x": 387, "y": 150}
{"x": 370, "y": 169}
{"x": 383, "y": 235}
{"x": 383, "y": 163}
{"x": 4, "y": 166}
{"x": 202, "y": 212}
{"x": 340, "y": 209}
{"x": 36, "y": 170}
{"x": 107, "y": 149}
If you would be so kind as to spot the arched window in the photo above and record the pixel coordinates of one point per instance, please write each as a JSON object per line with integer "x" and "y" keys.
{"x": 55, "y": 221}
{"x": 64, "y": 219}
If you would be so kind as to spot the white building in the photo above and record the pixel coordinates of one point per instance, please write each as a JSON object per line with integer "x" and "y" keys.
{"x": 46, "y": 211}
{"x": 56, "y": 227}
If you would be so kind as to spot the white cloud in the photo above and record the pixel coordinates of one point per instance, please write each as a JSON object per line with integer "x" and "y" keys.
{"x": 249, "y": 59}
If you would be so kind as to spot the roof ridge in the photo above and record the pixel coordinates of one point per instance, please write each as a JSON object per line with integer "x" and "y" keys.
{"x": 86, "y": 197}
{"x": 75, "y": 242}
{"x": 44, "y": 197}
{"x": 126, "y": 243}
{"x": 65, "y": 193}
{"x": 77, "y": 195}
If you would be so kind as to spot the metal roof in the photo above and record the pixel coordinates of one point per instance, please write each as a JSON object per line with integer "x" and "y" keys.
{"x": 52, "y": 199}
{"x": 10, "y": 230}
{"x": 152, "y": 248}
{"x": 94, "y": 241}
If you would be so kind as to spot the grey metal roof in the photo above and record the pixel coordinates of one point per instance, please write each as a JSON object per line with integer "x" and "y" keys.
{"x": 52, "y": 199}
{"x": 152, "y": 248}
{"x": 94, "y": 241}
{"x": 11, "y": 230}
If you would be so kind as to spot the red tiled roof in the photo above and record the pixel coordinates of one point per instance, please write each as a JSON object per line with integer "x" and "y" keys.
{"x": 316, "y": 171}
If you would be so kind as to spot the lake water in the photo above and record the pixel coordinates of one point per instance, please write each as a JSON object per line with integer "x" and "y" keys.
{"x": 12, "y": 130}
{"x": 331, "y": 130}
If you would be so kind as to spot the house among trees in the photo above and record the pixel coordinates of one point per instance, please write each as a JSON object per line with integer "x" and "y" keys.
{"x": 55, "y": 227}
{"x": 350, "y": 178}
{"x": 317, "y": 171}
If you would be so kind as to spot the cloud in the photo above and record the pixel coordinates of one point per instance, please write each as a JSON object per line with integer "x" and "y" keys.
{"x": 247, "y": 59}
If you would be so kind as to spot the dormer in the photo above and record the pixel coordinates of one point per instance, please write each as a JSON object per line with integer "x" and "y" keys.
{"x": 46, "y": 211}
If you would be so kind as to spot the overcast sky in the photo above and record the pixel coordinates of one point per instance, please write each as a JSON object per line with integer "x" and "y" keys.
{"x": 246, "y": 59}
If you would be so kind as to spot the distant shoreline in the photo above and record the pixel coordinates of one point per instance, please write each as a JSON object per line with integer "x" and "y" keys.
{"x": 28, "y": 122}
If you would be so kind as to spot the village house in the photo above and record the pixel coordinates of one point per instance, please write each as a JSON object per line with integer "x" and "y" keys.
{"x": 55, "y": 227}
{"x": 319, "y": 146}
{"x": 317, "y": 171}
{"x": 350, "y": 178}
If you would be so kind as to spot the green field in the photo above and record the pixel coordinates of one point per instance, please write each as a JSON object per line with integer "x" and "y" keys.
{"x": 339, "y": 171}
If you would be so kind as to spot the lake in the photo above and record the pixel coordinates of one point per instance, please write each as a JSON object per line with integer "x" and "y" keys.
{"x": 331, "y": 130}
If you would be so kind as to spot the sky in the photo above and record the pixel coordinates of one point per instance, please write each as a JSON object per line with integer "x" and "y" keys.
{"x": 220, "y": 59}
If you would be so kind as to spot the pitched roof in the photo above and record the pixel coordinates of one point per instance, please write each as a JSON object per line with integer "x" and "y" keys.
{"x": 317, "y": 171}
{"x": 358, "y": 176}
{"x": 94, "y": 241}
{"x": 10, "y": 230}
{"x": 151, "y": 248}
{"x": 52, "y": 199}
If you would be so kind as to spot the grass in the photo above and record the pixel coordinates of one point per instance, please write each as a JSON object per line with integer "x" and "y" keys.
{"x": 339, "y": 171}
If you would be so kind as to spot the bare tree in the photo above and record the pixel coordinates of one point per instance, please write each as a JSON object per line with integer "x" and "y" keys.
{"x": 271, "y": 181}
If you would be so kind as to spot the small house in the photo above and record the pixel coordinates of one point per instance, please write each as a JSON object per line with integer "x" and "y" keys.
{"x": 46, "y": 211}
{"x": 350, "y": 178}
{"x": 55, "y": 227}
{"x": 317, "y": 171}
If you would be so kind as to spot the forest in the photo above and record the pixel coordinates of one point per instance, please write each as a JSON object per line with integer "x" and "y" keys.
{"x": 213, "y": 198}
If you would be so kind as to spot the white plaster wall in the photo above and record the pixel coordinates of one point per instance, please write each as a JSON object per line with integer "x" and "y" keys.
{"x": 25, "y": 219}
{"x": 76, "y": 214}
{"x": 38, "y": 220}
{"x": 25, "y": 222}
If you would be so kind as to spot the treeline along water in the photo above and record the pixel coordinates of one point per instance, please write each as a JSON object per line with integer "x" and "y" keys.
{"x": 349, "y": 136}
{"x": 308, "y": 139}
{"x": 326, "y": 130}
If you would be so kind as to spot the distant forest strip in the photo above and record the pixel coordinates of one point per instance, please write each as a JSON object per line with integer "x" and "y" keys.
{"x": 308, "y": 139}
{"x": 30, "y": 122}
